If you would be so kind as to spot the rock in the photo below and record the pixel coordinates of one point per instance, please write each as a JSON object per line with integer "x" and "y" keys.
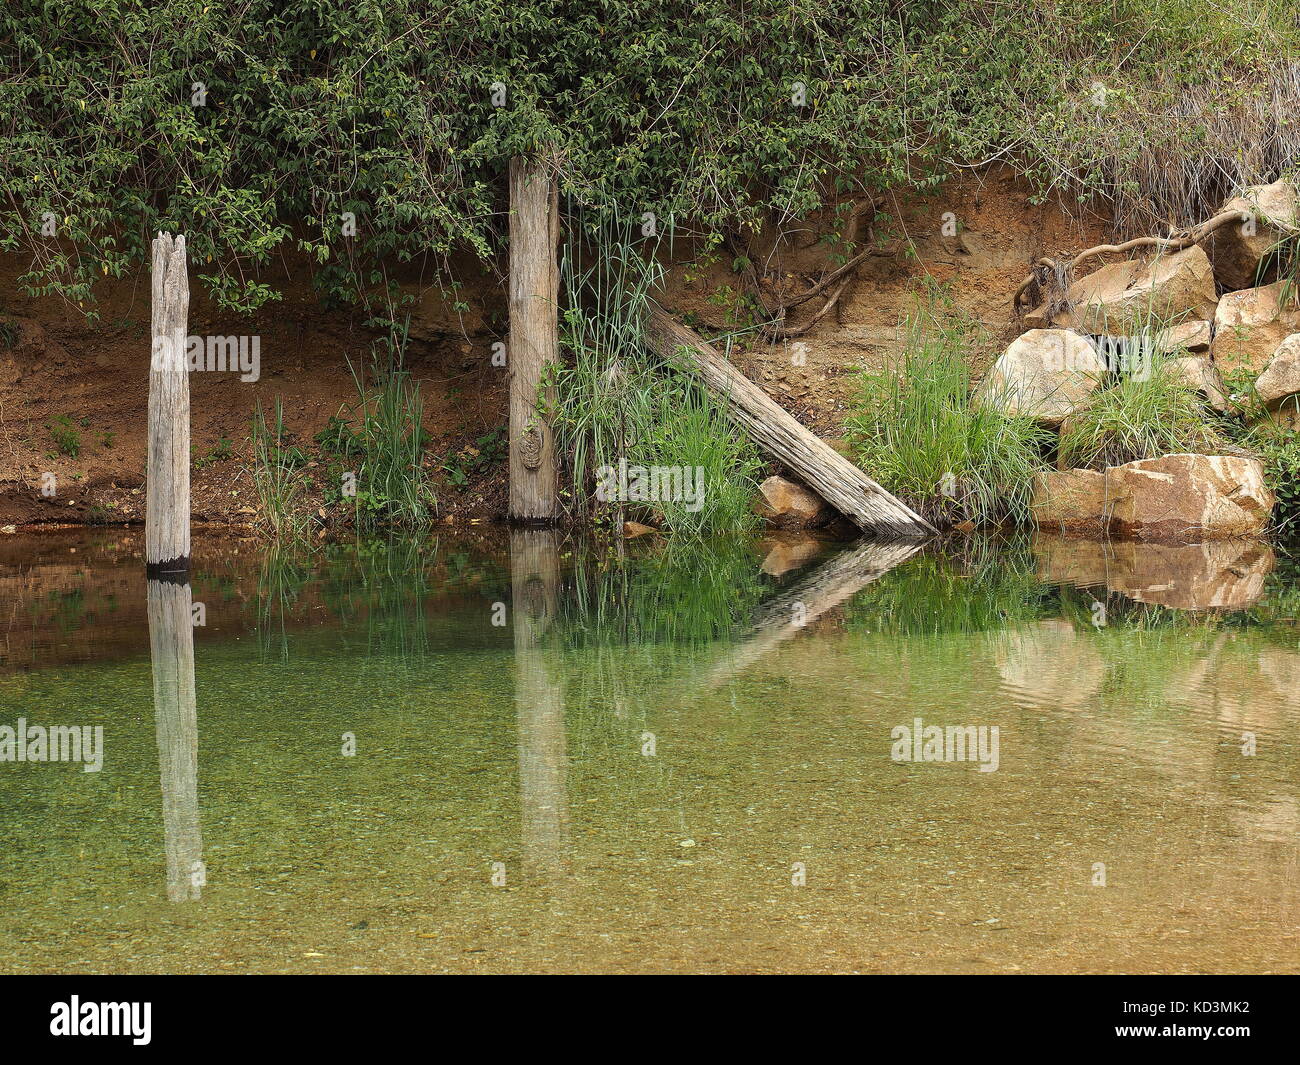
{"x": 1270, "y": 213}
{"x": 1191, "y": 336}
{"x": 1188, "y": 497}
{"x": 1047, "y": 374}
{"x": 633, "y": 529}
{"x": 1281, "y": 378}
{"x": 1198, "y": 373}
{"x": 788, "y": 505}
{"x": 1250, "y": 325}
{"x": 1123, "y": 297}
{"x": 1070, "y": 500}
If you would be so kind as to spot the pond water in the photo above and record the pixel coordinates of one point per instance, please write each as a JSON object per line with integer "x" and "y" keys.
{"x": 514, "y": 752}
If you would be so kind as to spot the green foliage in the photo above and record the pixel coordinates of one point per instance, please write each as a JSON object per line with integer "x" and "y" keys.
{"x": 388, "y": 442}
{"x": 258, "y": 127}
{"x": 486, "y": 451}
{"x": 1142, "y": 416}
{"x": 64, "y": 433}
{"x": 916, "y": 432}
{"x": 275, "y": 481}
{"x": 613, "y": 403}
{"x": 1278, "y": 448}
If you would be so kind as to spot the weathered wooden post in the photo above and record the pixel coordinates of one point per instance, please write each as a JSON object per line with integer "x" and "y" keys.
{"x": 167, "y": 476}
{"x": 171, "y": 652}
{"x": 534, "y": 338}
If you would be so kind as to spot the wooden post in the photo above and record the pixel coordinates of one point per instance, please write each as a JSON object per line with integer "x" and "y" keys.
{"x": 167, "y": 477}
{"x": 825, "y": 470}
{"x": 534, "y": 338}
{"x": 171, "y": 652}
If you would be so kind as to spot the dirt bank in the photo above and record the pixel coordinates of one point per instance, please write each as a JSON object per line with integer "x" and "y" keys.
{"x": 73, "y": 393}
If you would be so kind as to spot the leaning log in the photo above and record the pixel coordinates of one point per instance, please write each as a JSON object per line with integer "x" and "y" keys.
{"x": 822, "y": 468}
{"x": 167, "y": 475}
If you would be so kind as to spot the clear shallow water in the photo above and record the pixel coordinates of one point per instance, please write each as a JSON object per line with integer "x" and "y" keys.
{"x": 768, "y": 679}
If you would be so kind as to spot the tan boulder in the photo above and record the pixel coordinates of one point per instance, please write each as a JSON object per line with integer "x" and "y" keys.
{"x": 1046, "y": 374}
{"x": 788, "y": 505}
{"x": 1123, "y": 297}
{"x": 1198, "y": 373}
{"x": 1269, "y": 214}
{"x": 1193, "y": 336}
{"x": 1188, "y": 497}
{"x": 1281, "y": 378}
{"x": 633, "y": 529}
{"x": 1250, "y": 324}
{"x": 1070, "y": 500}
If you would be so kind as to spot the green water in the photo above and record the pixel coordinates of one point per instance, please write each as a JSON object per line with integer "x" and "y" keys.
{"x": 676, "y": 761}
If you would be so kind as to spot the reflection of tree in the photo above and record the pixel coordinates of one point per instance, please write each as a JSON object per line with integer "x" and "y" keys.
{"x": 539, "y": 701}
{"x": 171, "y": 646}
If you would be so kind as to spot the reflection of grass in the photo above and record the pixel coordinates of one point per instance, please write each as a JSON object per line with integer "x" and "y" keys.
{"x": 992, "y": 587}
{"x": 689, "y": 592}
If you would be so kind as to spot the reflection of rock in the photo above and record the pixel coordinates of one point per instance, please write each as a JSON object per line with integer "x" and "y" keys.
{"x": 1188, "y": 497}
{"x": 789, "y": 551}
{"x": 788, "y": 505}
{"x": 1051, "y": 661}
{"x": 1217, "y": 575}
{"x": 1046, "y": 374}
{"x": 1124, "y": 296}
{"x": 1067, "y": 560}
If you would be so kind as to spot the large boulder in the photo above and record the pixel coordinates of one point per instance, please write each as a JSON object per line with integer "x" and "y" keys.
{"x": 1192, "y": 336}
{"x": 1250, "y": 324}
{"x": 1199, "y": 374}
{"x": 1281, "y": 378}
{"x": 1238, "y": 250}
{"x": 787, "y": 505}
{"x": 1046, "y": 374}
{"x": 1188, "y": 497}
{"x": 1124, "y": 297}
{"x": 1071, "y": 501}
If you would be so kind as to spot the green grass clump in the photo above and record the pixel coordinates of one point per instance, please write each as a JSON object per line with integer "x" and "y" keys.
{"x": 915, "y": 430}
{"x": 615, "y": 402}
{"x": 275, "y": 480}
{"x": 1142, "y": 416}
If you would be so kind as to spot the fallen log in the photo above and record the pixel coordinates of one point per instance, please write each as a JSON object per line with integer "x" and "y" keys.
{"x": 820, "y": 466}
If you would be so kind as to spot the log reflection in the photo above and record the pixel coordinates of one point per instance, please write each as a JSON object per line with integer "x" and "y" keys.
{"x": 171, "y": 647}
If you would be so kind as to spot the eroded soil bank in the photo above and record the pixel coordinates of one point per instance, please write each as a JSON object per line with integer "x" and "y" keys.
{"x": 70, "y": 385}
